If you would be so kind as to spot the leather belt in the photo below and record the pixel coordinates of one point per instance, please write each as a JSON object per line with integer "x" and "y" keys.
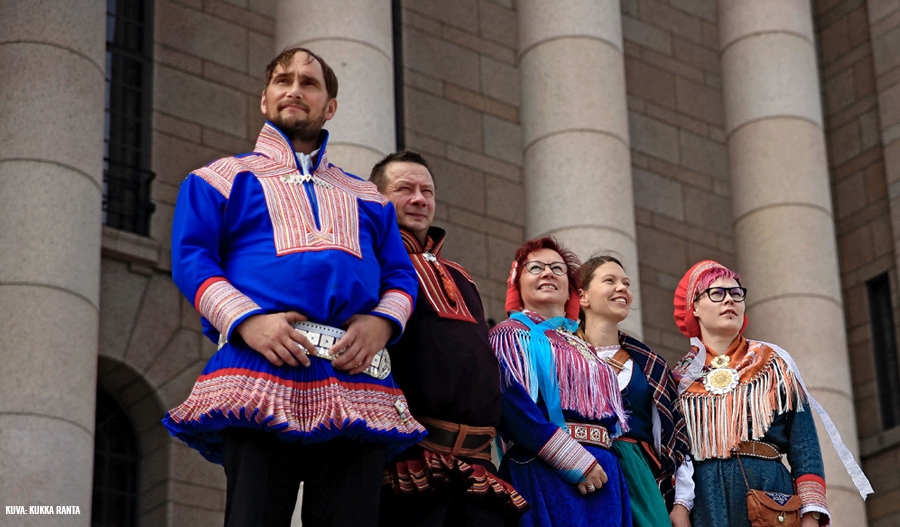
{"x": 323, "y": 338}
{"x": 591, "y": 434}
{"x": 759, "y": 449}
{"x": 455, "y": 439}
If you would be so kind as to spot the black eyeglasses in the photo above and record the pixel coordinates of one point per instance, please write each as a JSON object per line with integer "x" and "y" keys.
{"x": 536, "y": 267}
{"x": 717, "y": 294}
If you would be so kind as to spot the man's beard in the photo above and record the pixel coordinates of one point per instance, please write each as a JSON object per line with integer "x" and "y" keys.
{"x": 302, "y": 130}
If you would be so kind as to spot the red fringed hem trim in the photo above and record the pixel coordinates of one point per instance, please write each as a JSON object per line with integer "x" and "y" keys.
{"x": 432, "y": 470}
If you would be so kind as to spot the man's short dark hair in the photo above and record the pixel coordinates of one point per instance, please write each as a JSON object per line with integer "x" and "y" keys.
{"x": 283, "y": 58}
{"x": 379, "y": 171}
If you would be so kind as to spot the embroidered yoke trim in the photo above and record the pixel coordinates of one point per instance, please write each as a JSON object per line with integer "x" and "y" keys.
{"x": 292, "y": 214}
{"x": 396, "y": 305}
{"x": 220, "y": 174}
{"x": 279, "y": 153}
{"x": 294, "y": 218}
{"x": 567, "y": 456}
{"x": 222, "y": 304}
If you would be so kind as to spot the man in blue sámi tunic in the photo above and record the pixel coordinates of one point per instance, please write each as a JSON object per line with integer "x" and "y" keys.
{"x": 281, "y": 252}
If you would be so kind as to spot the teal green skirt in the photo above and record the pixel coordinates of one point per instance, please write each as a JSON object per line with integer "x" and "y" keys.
{"x": 648, "y": 508}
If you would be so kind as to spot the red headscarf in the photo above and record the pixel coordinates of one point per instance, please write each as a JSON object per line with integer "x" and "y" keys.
{"x": 685, "y": 294}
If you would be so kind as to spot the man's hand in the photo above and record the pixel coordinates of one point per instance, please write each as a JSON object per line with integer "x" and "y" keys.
{"x": 593, "y": 480}
{"x": 366, "y": 335}
{"x": 273, "y": 336}
{"x": 680, "y": 516}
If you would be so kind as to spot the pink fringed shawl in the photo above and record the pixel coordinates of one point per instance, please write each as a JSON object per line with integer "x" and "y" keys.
{"x": 587, "y": 385}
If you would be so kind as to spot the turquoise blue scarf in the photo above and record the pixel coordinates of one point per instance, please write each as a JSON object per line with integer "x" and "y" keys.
{"x": 541, "y": 364}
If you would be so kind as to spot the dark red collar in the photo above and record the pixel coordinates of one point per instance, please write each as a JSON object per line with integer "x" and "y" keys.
{"x": 437, "y": 285}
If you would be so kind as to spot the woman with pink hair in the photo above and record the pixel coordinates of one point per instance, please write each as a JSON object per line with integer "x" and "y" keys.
{"x": 746, "y": 407}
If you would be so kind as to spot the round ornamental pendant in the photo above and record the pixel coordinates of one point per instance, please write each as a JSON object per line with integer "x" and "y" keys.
{"x": 721, "y": 380}
{"x": 720, "y": 361}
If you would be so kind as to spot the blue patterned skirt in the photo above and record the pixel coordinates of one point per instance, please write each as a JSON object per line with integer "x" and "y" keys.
{"x": 239, "y": 388}
{"x": 556, "y": 503}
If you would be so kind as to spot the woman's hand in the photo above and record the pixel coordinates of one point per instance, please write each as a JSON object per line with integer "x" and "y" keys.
{"x": 593, "y": 480}
{"x": 807, "y": 520}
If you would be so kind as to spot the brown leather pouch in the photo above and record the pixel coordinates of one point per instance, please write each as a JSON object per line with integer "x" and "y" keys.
{"x": 773, "y": 509}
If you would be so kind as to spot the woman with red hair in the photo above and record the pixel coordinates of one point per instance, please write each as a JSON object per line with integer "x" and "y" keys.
{"x": 560, "y": 403}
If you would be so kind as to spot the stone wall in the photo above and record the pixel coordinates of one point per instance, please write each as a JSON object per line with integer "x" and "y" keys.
{"x": 680, "y": 164}
{"x": 462, "y": 110}
{"x": 859, "y": 58}
{"x": 462, "y": 102}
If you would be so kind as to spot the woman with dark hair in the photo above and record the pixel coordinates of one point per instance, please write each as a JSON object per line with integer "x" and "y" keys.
{"x": 560, "y": 403}
{"x": 655, "y": 446}
{"x": 746, "y": 407}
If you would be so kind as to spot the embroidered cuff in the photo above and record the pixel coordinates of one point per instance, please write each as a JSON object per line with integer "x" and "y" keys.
{"x": 223, "y": 305}
{"x": 567, "y": 456}
{"x": 686, "y": 504}
{"x": 397, "y": 306}
{"x": 811, "y": 489}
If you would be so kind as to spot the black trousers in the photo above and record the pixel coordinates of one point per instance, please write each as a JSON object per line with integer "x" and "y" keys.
{"x": 342, "y": 481}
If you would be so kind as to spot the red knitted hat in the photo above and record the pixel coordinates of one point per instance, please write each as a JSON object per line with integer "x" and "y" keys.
{"x": 685, "y": 294}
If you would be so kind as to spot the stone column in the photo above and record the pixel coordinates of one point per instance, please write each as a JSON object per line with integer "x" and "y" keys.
{"x": 577, "y": 158}
{"x": 355, "y": 38}
{"x": 52, "y": 56}
{"x": 884, "y": 25}
{"x": 784, "y": 229}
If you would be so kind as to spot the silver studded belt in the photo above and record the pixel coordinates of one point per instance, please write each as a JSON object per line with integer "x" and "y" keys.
{"x": 323, "y": 338}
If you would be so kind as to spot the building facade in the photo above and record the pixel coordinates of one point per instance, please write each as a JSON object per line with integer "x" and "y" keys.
{"x": 763, "y": 134}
